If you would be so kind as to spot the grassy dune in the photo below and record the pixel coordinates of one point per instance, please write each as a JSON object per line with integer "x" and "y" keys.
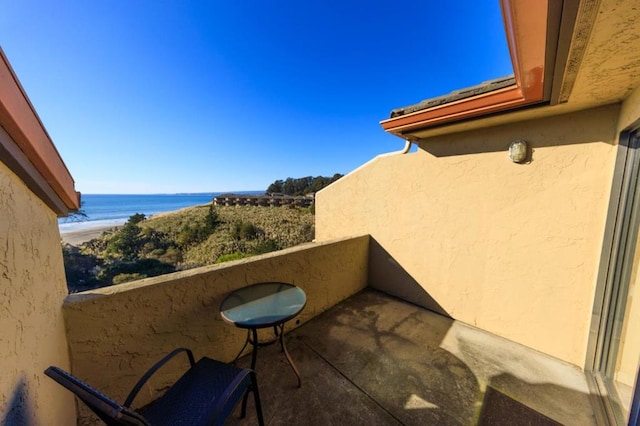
{"x": 286, "y": 227}
{"x": 184, "y": 239}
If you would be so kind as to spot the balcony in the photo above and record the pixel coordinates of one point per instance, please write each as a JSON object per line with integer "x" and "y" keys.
{"x": 364, "y": 356}
{"x": 375, "y": 359}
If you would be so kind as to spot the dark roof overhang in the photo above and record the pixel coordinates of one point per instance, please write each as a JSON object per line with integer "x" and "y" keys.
{"x": 457, "y": 95}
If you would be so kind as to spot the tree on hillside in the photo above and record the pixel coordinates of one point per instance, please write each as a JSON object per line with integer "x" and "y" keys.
{"x": 301, "y": 186}
{"x": 275, "y": 187}
{"x": 126, "y": 243}
{"x": 195, "y": 233}
{"x": 212, "y": 219}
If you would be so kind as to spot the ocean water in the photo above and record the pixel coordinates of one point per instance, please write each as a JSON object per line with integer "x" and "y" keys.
{"x": 115, "y": 209}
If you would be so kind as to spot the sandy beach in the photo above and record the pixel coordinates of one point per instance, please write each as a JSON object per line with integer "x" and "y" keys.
{"x": 83, "y": 235}
{"x": 79, "y": 236}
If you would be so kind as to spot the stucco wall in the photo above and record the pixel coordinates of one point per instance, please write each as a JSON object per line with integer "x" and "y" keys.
{"x": 509, "y": 248}
{"x": 32, "y": 290}
{"x": 116, "y": 333}
{"x": 630, "y": 111}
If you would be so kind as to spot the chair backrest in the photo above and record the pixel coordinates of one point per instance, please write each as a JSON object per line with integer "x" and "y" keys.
{"x": 107, "y": 409}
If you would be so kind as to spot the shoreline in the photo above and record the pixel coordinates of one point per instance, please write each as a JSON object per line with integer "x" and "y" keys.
{"x": 76, "y": 237}
{"x": 79, "y": 236}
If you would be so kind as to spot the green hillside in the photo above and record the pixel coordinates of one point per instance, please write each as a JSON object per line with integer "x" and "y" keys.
{"x": 185, "y": 239}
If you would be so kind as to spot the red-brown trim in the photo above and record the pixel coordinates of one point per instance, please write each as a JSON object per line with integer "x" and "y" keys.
{"x": 22, "y": 124}
{"x": 525, "y": 24}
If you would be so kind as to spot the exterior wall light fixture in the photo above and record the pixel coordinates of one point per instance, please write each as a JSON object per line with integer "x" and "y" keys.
{"x": 518, "y": 151}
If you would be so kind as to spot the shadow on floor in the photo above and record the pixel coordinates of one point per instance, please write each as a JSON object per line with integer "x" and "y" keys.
{"x": 377, "y": 360}
{"x": 500, "y": 410}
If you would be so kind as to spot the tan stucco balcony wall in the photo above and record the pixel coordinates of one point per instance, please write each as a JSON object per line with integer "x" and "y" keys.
{"x": 510, "y": 248}
{"x": 116, "y": 333}
{"x": 32, "y": 288}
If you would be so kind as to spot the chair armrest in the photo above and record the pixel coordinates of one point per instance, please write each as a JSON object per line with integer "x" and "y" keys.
{"x": 152, "y": 370}
{"x": 229, "y": 395}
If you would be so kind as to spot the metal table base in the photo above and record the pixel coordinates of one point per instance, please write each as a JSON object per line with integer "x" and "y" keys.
{"x": 252, "y": 337}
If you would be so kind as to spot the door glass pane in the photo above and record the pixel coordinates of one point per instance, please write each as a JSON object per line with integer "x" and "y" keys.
{"x": 626, "y": 366}
{"x": 621, "y": 342}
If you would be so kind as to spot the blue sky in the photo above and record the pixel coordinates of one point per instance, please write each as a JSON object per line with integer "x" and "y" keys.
{"x": 151, "y": 96}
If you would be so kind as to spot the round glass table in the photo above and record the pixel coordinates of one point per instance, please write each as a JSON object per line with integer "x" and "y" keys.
{"x": 264, "y": 305}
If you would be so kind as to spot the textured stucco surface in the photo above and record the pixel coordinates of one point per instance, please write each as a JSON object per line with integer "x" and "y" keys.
{"x": 610, "y": 68}
{"x": 32, "y": 290}
{"x": 509, "y": 248}
{"x": 630, "y": 111}
{"x": 115, "y": 334}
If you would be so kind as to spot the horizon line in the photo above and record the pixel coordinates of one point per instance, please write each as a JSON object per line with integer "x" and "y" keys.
{"x": 173, "y": 193}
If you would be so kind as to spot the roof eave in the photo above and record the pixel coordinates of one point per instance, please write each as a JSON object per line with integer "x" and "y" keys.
{"x": 27, "y": 149}
{"x": 529, "y": 31}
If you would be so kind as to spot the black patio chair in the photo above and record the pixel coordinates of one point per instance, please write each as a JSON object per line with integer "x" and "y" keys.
{"x": 206, "y": 394}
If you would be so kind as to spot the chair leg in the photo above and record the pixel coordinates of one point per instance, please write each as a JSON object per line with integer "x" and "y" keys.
{"x": 243, "y": 411}
{"x": 256, "y": 397}
{"x": 254, "y": 358}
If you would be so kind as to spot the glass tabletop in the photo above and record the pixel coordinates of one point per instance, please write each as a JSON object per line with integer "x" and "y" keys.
{"x": 263, "y": 305}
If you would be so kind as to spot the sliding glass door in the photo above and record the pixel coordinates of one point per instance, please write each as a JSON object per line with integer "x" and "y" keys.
{"x": 617, "y": 347}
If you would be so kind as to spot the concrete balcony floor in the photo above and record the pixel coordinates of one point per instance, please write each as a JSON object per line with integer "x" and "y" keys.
{"x": 377, "y": 360}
